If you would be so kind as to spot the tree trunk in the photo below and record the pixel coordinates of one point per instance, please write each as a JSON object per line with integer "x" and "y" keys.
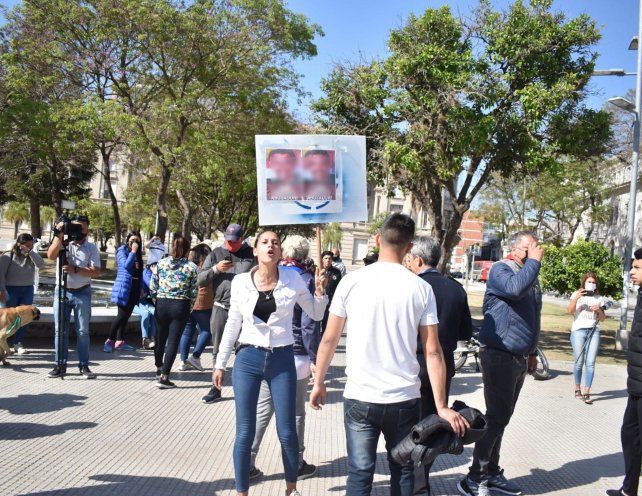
{"x": 16, "y": 228}
{"x": 56, "y": 192}
{"x": 161, "y": 202}
{"x": 106, "y": 173}
{"x": 186, "y": 209}
{"x": 450, "y": 239}
{"x": 34, "y": 214}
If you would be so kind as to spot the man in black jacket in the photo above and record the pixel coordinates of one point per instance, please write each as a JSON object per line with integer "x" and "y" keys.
{"x": 632, "y": 422}
{"x": 220, "y": 267}
{"x": 454, "y": 324}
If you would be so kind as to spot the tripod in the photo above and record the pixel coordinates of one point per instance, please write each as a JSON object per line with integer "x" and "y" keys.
{"x": 62, "y": 307}
{"x": 587, "y": 343}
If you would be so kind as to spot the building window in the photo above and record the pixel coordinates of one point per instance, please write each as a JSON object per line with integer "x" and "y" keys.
{"x": 395, "y": 208}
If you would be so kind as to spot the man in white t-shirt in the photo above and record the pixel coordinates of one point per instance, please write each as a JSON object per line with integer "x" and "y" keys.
{"x": 382, "y": 308}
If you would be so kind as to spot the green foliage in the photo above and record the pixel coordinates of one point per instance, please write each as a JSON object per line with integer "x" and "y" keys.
{"x": 563, "y": 268}
{"x": 101, "y": 218}
{"x": 16, "y": 213}
{"x": 498, "y": 93}
{"x": 332, "y": 235}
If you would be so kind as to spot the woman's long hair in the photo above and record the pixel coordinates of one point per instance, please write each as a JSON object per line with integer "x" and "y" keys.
{"x": 588, "y": 275}
{"x": 201, "y": 251}
{"x": 20, "y": 240}
{"x": 139, "y": 253}
{"x": 180, "y": 247}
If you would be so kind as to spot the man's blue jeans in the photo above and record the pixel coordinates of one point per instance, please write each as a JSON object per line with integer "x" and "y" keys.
{"x": 147, "y": 319}
{"x": 251, "y": 366}
{"x": 200, "y": 319}
{"x": 364, "y": 423}
{"x": 19, "y": 295}
{"x": 80, "y": 303}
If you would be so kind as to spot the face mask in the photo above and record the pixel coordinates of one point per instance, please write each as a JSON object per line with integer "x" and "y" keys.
{"x": 590, "y": 286}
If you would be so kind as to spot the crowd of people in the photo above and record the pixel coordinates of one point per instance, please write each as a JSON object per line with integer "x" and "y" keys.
{"x": 283, "y": 318}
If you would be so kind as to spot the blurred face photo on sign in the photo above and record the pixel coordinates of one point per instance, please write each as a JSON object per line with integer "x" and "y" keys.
{"x": 318, "y": 168}
{"x": 283, "y": 174}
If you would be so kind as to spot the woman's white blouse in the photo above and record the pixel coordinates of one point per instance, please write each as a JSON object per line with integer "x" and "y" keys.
{"x": 244, "y": 327}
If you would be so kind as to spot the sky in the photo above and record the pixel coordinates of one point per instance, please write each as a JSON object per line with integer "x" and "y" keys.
{"x": 360, "y": 28}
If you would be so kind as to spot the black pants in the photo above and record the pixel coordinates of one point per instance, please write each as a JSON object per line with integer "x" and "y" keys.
{"x": 171, "y": 317}
{"x": 217, "y": 326}
{"x": 631, "y": 445}
{"x": 428, "y": 407}
{"x": 503, "y": 374}
{"x": 119, "y": 324}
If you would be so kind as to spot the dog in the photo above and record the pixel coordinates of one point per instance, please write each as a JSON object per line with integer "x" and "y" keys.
{"x": 12, "y": 319}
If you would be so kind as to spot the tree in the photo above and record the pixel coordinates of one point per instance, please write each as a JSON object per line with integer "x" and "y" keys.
{"x": 196, "y": 64}
{"x": 101, "y": 220}
{"x": 563, "y": 268}
{"x": 554, "y": 202}
{"x": 16, "y": 213}
{"x": 332, "y": 235}
{"x": 463, "y": 99}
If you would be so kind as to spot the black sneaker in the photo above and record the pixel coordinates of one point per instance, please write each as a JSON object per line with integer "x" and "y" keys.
{"x": 57, "y": 372}
{"x": 165, "y": 384}
{"x": 145, "y": 344}
{"x": 213, "y": 396}
{"x": 306, "y": 470}
{"x": 86, "y": 372}
{"x": 615, "y": 492}
{"x": 255, "y": 473}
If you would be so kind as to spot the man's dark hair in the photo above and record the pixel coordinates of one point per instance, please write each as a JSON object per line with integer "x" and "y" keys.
{"x": 327, "y": 253}
{"x": 637, "y": 254}
{"x": 323, "y": 153}
{"x": 81, "y": 218}
{"x": 398, "y": 230}
{"x": 281, "y": 151}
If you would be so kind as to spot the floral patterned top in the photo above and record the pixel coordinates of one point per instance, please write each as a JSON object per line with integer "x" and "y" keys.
{"x": 175, "y": 279}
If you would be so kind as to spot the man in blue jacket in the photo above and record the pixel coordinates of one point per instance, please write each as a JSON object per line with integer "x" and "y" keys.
{"x": 512, "y": 310}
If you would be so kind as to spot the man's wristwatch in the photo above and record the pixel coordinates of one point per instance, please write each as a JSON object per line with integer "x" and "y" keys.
{"x": 75, "y": 269}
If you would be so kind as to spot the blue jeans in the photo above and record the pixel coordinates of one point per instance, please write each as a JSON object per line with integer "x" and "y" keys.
{"x": 200, "y": 319}
{"x": 252, "y": 366}
{"x": 147, "y": 320}
{"x": 364, "y": 423}
{"x": 80, "y": 303}
{"x": 585, "y": 358}
{"x": 19, "y": 295}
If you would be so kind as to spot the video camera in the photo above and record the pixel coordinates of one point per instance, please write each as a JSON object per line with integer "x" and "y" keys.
{"x": 71, "y": 230}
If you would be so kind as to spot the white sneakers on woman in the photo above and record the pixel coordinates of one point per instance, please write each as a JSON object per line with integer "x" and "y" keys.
{"x": 19, "y": 349}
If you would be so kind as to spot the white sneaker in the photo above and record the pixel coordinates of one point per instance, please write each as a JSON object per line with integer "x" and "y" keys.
{"x": 293, "y": 493}
{"x": 19, "y": 349}
{"x": 184, "y": 366}
{"x": 195, "y": 362}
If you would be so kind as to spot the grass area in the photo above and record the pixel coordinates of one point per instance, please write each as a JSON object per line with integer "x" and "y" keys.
{"x": 556, "y": 330}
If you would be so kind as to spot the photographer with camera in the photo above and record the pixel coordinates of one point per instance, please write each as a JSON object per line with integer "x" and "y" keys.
{"x": 586, "y": 307}
{"x": 17, "y": 278}
{"x": 81, "y": 264}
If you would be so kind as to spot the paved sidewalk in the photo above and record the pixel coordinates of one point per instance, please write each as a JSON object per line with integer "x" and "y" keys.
{"x": 119, "y": 435}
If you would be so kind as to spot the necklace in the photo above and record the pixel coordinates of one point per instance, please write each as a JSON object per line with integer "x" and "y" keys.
{"x": 267, "y": 294}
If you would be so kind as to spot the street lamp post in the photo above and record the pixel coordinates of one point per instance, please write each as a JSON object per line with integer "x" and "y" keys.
{"x": 622, "y": 333}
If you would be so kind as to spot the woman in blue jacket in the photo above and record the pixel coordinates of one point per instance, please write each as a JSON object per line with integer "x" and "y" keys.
{"x": 126, "y": 291}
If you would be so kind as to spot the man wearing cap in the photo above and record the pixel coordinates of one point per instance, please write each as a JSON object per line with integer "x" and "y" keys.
{"x": 83, "y": 263}
{"x": 220, "y": 267}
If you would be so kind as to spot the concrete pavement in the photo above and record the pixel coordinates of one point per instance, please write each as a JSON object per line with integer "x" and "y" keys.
{"x": 119, "y": 435}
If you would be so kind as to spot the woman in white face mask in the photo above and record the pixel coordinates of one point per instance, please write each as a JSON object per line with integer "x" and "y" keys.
{"x": 585, "y": 306}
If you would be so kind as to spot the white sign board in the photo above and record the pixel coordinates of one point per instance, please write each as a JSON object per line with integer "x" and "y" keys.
{"x": 311, "y": 179}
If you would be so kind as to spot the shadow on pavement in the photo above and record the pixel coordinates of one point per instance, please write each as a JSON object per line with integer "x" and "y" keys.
{"x": 15, "y": 431}
{"x": 573, "y": 474}
{"x": 25, "y": 404}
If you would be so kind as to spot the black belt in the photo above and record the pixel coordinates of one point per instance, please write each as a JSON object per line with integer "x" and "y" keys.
{"x": 75, "y": 290}
{"x": 262, "y": 348}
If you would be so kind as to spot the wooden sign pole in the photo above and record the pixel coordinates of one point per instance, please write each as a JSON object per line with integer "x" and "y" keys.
{"x": 319, "y": 259}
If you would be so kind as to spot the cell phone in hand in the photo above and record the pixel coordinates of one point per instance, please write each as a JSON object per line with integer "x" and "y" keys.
{"x": 589, "y": 293}
{"x": 228, "y": 258}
